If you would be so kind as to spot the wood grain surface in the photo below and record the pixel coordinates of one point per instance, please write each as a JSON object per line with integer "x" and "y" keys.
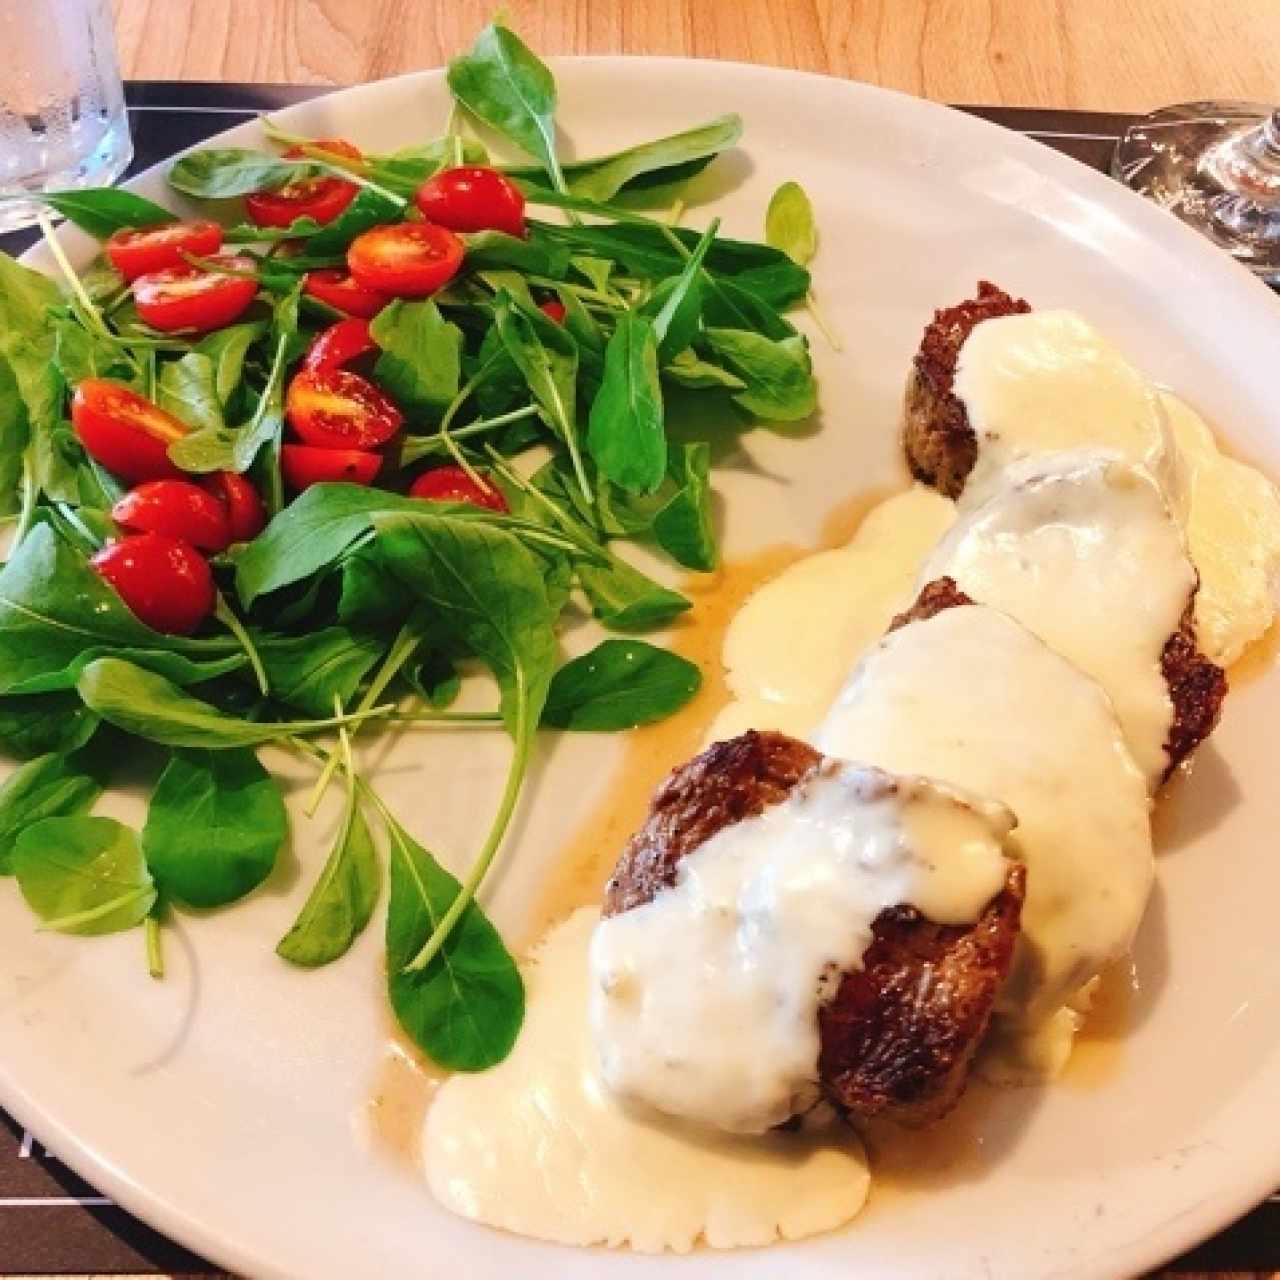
{"x": 1121, "y": 55}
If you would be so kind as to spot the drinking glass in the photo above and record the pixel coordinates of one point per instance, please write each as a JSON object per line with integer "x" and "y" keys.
{"x": 1217, "y": 166}
{"x": 62, "y": 113}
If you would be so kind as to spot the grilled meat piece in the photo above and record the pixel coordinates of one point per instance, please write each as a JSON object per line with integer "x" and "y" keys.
{"x": 897, "y": 1037}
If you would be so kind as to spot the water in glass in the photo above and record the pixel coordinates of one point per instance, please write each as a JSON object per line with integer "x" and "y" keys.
{"x": 62, "y": 114}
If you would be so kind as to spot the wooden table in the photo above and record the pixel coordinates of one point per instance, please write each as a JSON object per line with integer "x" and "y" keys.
{"x": 1121, "y": 55}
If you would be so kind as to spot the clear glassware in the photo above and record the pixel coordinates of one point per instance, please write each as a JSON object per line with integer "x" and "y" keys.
{"x": 62, "y": 114}
{"x": 1217, "y": 166}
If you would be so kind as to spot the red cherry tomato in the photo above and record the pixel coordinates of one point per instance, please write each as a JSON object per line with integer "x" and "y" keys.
{"x": 334, "y": 146}
{"x": 304, "y": 465}
{"x": 337, "y": 289}
{"x": 176, "y": 507}
{"x": 126, "y": 433}
{"x": 553, "y": 308}
{"x": 339, "y": 344}
{"x": 452, "y": 484}
{"x": 337, "y": 409}
{"x": 246, "y": 513}
{"x": 137, "y": 251}
{"x": 164, "y": 581}
{"x": 193, "y": 298}
{"x": 321, "y": 199}
{"x": 405, "y": 259}
{"x": 472, "y": 198}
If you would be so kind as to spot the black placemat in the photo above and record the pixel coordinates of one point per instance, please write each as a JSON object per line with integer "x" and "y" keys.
{"x": 51, "y": 1222}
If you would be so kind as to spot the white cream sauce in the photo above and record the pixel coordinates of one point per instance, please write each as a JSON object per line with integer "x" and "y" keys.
{"x": 1047, "y": 381}
{"x": 973, "y": 698}
{"x": 1081, "y": 548}
{"x": 1233, "y": 532}
{"x": 790, "y": 647}
{"x": 539, "y": 1145}
{"x": 761, "y": 919}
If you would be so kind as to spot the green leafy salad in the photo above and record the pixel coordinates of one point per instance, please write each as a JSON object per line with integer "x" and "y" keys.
{"x": 286, "y": 471}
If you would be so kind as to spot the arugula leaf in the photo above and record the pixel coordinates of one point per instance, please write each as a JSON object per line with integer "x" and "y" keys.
{"x": 368, "y": 209}
{"x": 625, "y": 599}
{"x": 650, "y": 164}
{"x": 732, "y": 307}
{"x": 27, "y": 346}
{"x": 227, "y": 349}
{"x": 645, "y": 250}
{"x": 57, "y": 615}
{"x": 149, "y": 706}
{"x": 421, "y": 360}
{"x": 53, "y": 785}
{"x": 404, "y": 171}
{"x": 502, "y": 82}
{"x": 306, "y": 671}
{"x": 216, "y": 173}
{"x": 687, "y": 370}
{"x": 77, "y": 354}
{"x": 83, "y": 875}
{"x": 103, "y": 210}
{"x": 535, "y": 254}
{"x": 618, "y": 685}
{"x": 676, "y": 304}
{"x": 363, "y": 598}
{"x": 37, "y": 723}
{"x": 13, "y": 439}
{"x": 789, "y": 224}
{"x": 547, "y": 358}
{"x": 465, "y": 1008}
{"x": 318, "y": 526}
{"x": 188, "y": 389}
{"x": 342, "y": 898}
{"x": 626, "y": 435}
{"x": 488, "y": 589}
{"x": 684, "y": 527}
{"x": 214, "y": 826}
{"x": 780, "y": 385}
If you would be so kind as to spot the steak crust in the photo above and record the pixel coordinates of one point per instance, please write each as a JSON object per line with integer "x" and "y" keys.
{"x": 941, "y": 445}
{"x": 897, "y": 1037}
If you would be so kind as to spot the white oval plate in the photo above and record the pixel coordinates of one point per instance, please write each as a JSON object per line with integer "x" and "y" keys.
{"x": 225, "y": 1105}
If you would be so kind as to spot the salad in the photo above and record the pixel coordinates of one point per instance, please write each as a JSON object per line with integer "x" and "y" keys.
{"x": 282, "y": 475}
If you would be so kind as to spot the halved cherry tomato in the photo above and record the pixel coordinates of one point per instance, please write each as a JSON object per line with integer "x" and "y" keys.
{"x": 405, "y": 259}
{"x": 178, "y": 508}
{"x": 337, "y": 409}
{"x": 303, "y": 465}
{"x": 128, "y": 434}
{"x": 246, "y": 513}
{"x": 472, "y": 198}
{"x": 135, "y": 251}
{"x": 337, "y": 289}
{"x": 164, "y": 581}
{"x": 553, "y": 308}
{"x": 339, "y": 344}
{"x": 321, "y": 199}
{"x": 452, "y": 484}
{"x": 334, "y": 146}
{"x": 193, "y": 298}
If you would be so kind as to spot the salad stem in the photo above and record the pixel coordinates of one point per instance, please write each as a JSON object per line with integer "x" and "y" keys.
{"x": 226, "y": 615}
{"x": 30, "y": 493}
{"x": 419, "y": 446}
{"x": 155, "y": 956}
{"x": 506, "y": 807}
{"x": 402, "y": 649}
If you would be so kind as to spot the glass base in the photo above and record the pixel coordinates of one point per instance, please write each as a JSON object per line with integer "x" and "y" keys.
{"x": 1192, "y": 160}
{"x": 101, "y": 167}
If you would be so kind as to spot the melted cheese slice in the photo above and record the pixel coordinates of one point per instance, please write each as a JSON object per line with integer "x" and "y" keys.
{"x": 1081, "y": 548}
{"x": 791, "y": 645}
{"x": 539, "y": 1146}
{"x": 760, "y": 918}
{"x": 974, "y": 699}
{"x": 1233, "y": 531}
{"x": 1048, "y": 381}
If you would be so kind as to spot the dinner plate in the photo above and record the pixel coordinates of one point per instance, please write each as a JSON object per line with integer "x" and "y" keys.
{"x": 232, "y": 1104}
